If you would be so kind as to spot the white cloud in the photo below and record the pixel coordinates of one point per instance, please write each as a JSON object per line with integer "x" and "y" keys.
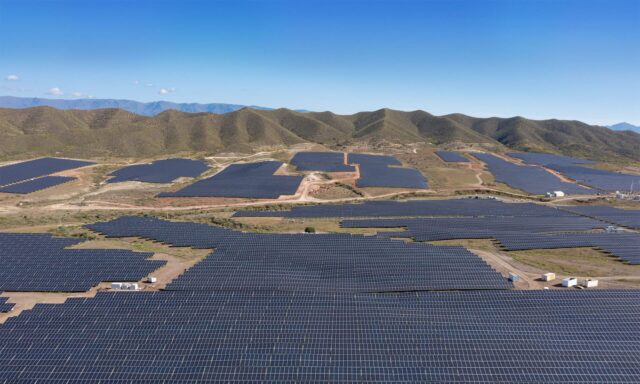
{"x": 12, "y": 78}
{"x": 136, "y": 82}
{"x": 55, "y": 91}
{"x": 149, "y": 84}
{"x": 165, "y": 91}
{"x": 77, "y": 94}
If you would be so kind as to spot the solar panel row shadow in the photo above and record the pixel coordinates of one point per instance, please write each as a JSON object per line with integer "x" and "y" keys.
{"x": 34, "y": 185}
{"x": 385, "y": 208}
{"x": 329, "y": 262}
{"x": 381, "y": 171}
{"x": 452, "y": 157}
{"x": 301, "y": 337}
{"x": 26, "y": 170}
{"x": 574, "y": 169}
{"x": 40, "y": 263}
{"x": 531, "y": 179}
{"x": 321, "y": 161}
{"x": 160, "y": 171}
{"x": 252, "y": 180}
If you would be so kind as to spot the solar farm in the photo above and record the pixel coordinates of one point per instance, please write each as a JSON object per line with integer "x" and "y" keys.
{"x": 317, "y": 264}
{"x": 532, "y": 179}
{"x": 579, "y": 170}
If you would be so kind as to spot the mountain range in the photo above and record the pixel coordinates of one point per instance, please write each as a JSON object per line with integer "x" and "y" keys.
{"x": 146, "y": 109}
{"x": 625, "y": 127}
{"x": 41, "y": 131}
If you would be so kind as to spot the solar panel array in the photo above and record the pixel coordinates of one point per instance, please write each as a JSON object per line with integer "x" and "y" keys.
{"x": 40, "y": 262}
{"x": 327, "y": 262}
{"x": 302, "y": 337}
{"x": 252, "y": 180}
{"x": 540, "y": 228}
{"x": 160, "y": 171}
{"x": 629, "y": 218}
{"x": 531, "y": 179}
{"x": 387, "y": 208}
{"x": 452, "y": 157}
{"x": 573, "y": 169}
{"x": 434, "y": 229}
{"x": 321, "y": 161}
{"x": 26, "y": 170}
{"x": 4, "y": 306}
{"x": 383, "y": 171}
{"x": 34, "y": 185}
{"x": 623, "y": 245}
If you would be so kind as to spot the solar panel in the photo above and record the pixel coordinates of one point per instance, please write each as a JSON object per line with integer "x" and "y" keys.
{"x": 327, "y": 262}
{"x": 321, "y": 161}
{"x": 26, "y": 170}
{"x": 34, "y": 185}
{"x": 573, "y": 168}
{"x": 160, "y": 171}
{"x": 452, "y": 157}
{"x": 381, "y": 171}
{"x": 300, "y": 337}
{"x": 252, "y": 180}
{"x": 382, "y": 208}
{"x": 40, "y": 263}
{"x": 531, "y": 179}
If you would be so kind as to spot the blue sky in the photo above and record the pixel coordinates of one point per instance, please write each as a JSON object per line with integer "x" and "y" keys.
{"x": 539, "y": 59}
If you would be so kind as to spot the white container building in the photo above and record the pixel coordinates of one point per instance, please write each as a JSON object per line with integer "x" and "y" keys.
{"x": 569, "y": 282}
{"x": 590, "y": 283}
{"x": 548, "y": 277}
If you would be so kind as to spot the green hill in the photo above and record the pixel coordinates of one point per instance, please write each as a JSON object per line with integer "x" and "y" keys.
{"x": 43, "y": 131}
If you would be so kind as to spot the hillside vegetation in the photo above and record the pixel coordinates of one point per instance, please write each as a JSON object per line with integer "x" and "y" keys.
{"x": 43, "y": 131}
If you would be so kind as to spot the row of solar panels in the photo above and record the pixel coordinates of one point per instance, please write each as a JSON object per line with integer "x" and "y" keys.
{"x": 457, "y": 208}
{"x": 328, "y": 262}
{"x": 389, "y": 208}
{"x": 486, "y": 337}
